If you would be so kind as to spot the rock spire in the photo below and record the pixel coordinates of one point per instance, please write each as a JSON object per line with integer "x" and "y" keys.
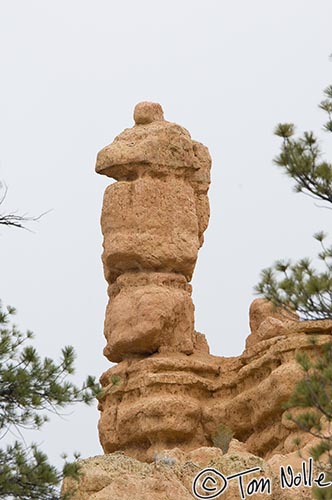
{"x": 153, "y": 220}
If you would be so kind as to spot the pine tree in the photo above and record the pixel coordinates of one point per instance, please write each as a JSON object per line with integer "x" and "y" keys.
{"x": 299, "y": 286}
{"x": 31, "y": 387}
{"x": 302, "y": 288}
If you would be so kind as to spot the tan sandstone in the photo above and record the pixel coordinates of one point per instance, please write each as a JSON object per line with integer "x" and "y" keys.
{"x": 166, "y": 400}
{"x": 170, "y": 476}
{"x": 148, "y": 312}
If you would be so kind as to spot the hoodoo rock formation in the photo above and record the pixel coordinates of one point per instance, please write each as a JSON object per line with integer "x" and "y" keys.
{"x": 166, "y": 391}
{"x": 153, "y": 220}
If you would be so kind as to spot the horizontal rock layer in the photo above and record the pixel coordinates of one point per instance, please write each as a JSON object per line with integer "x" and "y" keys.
{"x": 173, "y": 399}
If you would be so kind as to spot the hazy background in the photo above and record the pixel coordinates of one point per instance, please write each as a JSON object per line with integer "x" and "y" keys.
{"x": 71, "y": 73}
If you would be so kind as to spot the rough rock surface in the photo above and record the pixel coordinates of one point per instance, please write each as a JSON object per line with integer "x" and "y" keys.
{"x": 162, "y": 302}
{"x": 167, "y": 392}
{"x": 171, "y": 475}
{"x": 172, "y": 399}
{"x": 152, "y": 221}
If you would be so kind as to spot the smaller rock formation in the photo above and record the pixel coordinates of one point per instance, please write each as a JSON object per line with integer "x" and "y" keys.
{"x": 267, "y": 321}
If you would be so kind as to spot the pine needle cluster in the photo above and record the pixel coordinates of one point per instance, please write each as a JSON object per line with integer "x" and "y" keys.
{"x": 300, "y": 286}
{"x": 32, "y": 387}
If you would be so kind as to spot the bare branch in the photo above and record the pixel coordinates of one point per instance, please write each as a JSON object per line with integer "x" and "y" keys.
{"x": 16, "y": 220}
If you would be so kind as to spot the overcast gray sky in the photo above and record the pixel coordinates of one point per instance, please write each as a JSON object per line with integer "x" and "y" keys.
{"x": 71, "y": 73}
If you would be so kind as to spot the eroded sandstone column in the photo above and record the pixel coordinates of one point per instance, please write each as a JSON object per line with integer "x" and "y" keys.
{"x": 153, "y": 220}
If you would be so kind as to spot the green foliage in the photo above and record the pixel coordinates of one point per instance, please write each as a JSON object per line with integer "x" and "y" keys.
{"x": 222, "y": 437}
{"x": 299, "y": 286}
{"x": 116, "y": 379}
{"x": 315, "y": 389}
{"x": 313, "y": 393}
{"x": 323, "y": 493}
{"x": 25, "y": 474}
{"x": 301, "y": 158}
{"x": 29, "y": 387}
